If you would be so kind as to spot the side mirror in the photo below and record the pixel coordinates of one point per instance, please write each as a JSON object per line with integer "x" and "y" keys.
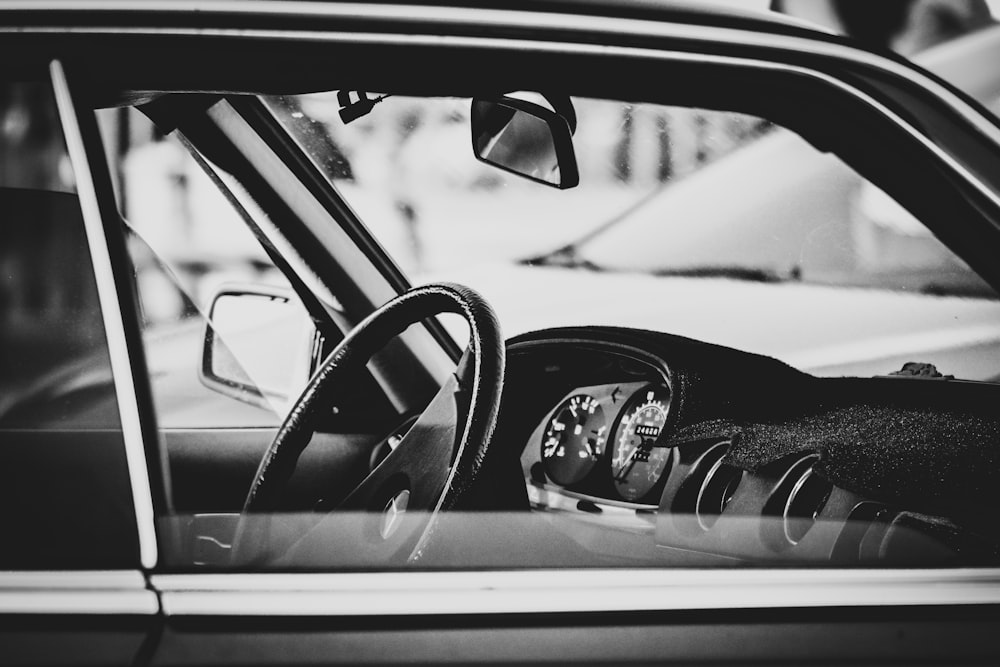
{"x": 258, "y": 345}
{"x": 526, "y": 139}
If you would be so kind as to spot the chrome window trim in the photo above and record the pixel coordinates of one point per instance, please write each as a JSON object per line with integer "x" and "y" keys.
{"x": 118, "y": 592}
{"x": 114, "y": 325}
{"x": 552, "y": 591}
{"x": 973, "y": 117}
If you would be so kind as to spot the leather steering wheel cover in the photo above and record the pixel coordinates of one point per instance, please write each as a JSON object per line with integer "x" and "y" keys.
{"x": 487, "y": 350}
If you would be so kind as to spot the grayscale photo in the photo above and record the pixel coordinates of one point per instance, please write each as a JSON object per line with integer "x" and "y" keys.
{"x": 562, "y": 332}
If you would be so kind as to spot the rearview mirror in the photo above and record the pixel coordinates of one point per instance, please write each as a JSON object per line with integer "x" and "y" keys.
{"x": 526, "y": 139}
{"x": 258, "y": 345}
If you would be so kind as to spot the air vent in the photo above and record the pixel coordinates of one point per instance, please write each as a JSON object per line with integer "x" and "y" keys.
{"x": 797, "y": 500}
{"x": 863, "y": 532}
{"x": 708, "y": 489}
{"x": 875, "y": 533}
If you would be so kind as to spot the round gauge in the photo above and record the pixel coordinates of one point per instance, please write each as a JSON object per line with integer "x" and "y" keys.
{"x": 574, "y": 439}
{"x": 636, "y": 461}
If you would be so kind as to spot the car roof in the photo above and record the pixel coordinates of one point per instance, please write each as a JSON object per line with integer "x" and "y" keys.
{"x": 205, "y": 45}
{"x": 694, "y": 12}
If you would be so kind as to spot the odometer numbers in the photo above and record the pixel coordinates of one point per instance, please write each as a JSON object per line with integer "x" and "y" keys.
{"x": 574, "y": 439}
{"x": 637, "y": 462}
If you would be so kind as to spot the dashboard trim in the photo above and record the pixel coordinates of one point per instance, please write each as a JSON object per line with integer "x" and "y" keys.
{"x": 624, "y": 515}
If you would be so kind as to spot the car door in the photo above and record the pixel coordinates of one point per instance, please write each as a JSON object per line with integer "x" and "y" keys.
{"x": 570, "y": 616}
{"x": 74, "y": 500}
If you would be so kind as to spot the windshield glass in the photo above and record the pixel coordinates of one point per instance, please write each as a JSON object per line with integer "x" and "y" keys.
{"x": 714, "y": 225}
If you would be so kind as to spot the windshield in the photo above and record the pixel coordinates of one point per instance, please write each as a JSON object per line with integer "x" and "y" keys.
{"x": 715, "y": 225}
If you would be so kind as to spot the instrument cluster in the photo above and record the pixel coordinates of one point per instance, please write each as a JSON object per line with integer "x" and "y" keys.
{"x": 606, "y": 441}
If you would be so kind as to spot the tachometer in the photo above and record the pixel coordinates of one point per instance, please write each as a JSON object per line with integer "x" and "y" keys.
{"x": 637, "y": 462}
{"x": 574, "y": 439}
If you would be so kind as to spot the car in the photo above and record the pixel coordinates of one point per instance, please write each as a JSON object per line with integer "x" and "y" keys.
{"x": 248, "y": 416}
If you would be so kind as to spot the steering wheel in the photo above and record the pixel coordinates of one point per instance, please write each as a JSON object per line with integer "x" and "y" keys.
{"x": 395, "y": 507}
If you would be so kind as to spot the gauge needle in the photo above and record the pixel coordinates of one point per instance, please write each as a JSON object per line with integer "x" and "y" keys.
{"x": 623, "y": 473}
{"x": 629, "y": 459}
{"x": 630, "y": 462}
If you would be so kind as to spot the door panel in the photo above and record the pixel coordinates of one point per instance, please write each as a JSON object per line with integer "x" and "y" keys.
{"x": 61, "y": 501}
{"x": 870, "y": 636}
{"x": 211, "y": 469}
{"x": 73, "y": 639}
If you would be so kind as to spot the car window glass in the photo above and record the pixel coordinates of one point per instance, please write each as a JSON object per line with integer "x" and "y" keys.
{"x": 227, "y": 341}
{"x": 675, "y": 206}
{"x": 188, "y": 244}
{"x": 717, "y": 226}
{"x": 65, "y": 500}
{"x": 720, "y": 227}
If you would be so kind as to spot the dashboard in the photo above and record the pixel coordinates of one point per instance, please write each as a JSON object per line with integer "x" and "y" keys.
{"x": 663, "y": 450}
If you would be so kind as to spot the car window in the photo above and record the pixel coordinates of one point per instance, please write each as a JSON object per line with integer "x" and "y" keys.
{"x": 189, "y": 245}
{"x": 228, "y": 344}
{"x": 718, "y": 227}
{"x": 804, "y": 259}
{"x": 65, "y": 499}
{"x": 719, "y": 236}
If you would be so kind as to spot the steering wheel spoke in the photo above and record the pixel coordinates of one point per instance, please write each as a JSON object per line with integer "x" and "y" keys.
{"x": 419, "y": 465}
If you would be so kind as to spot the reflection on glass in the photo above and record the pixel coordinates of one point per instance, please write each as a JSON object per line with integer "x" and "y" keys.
{"x": 517, "y": 141}
{"x": 250, "y": 345}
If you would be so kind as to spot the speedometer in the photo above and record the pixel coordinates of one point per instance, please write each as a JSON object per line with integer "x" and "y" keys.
{"x": 574, "y": 439}
{"x": 637, "y": 461}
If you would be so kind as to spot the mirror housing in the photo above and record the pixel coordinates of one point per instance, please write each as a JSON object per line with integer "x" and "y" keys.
{"x": 260, "y": 345}
{"x": 526, "y": 139}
